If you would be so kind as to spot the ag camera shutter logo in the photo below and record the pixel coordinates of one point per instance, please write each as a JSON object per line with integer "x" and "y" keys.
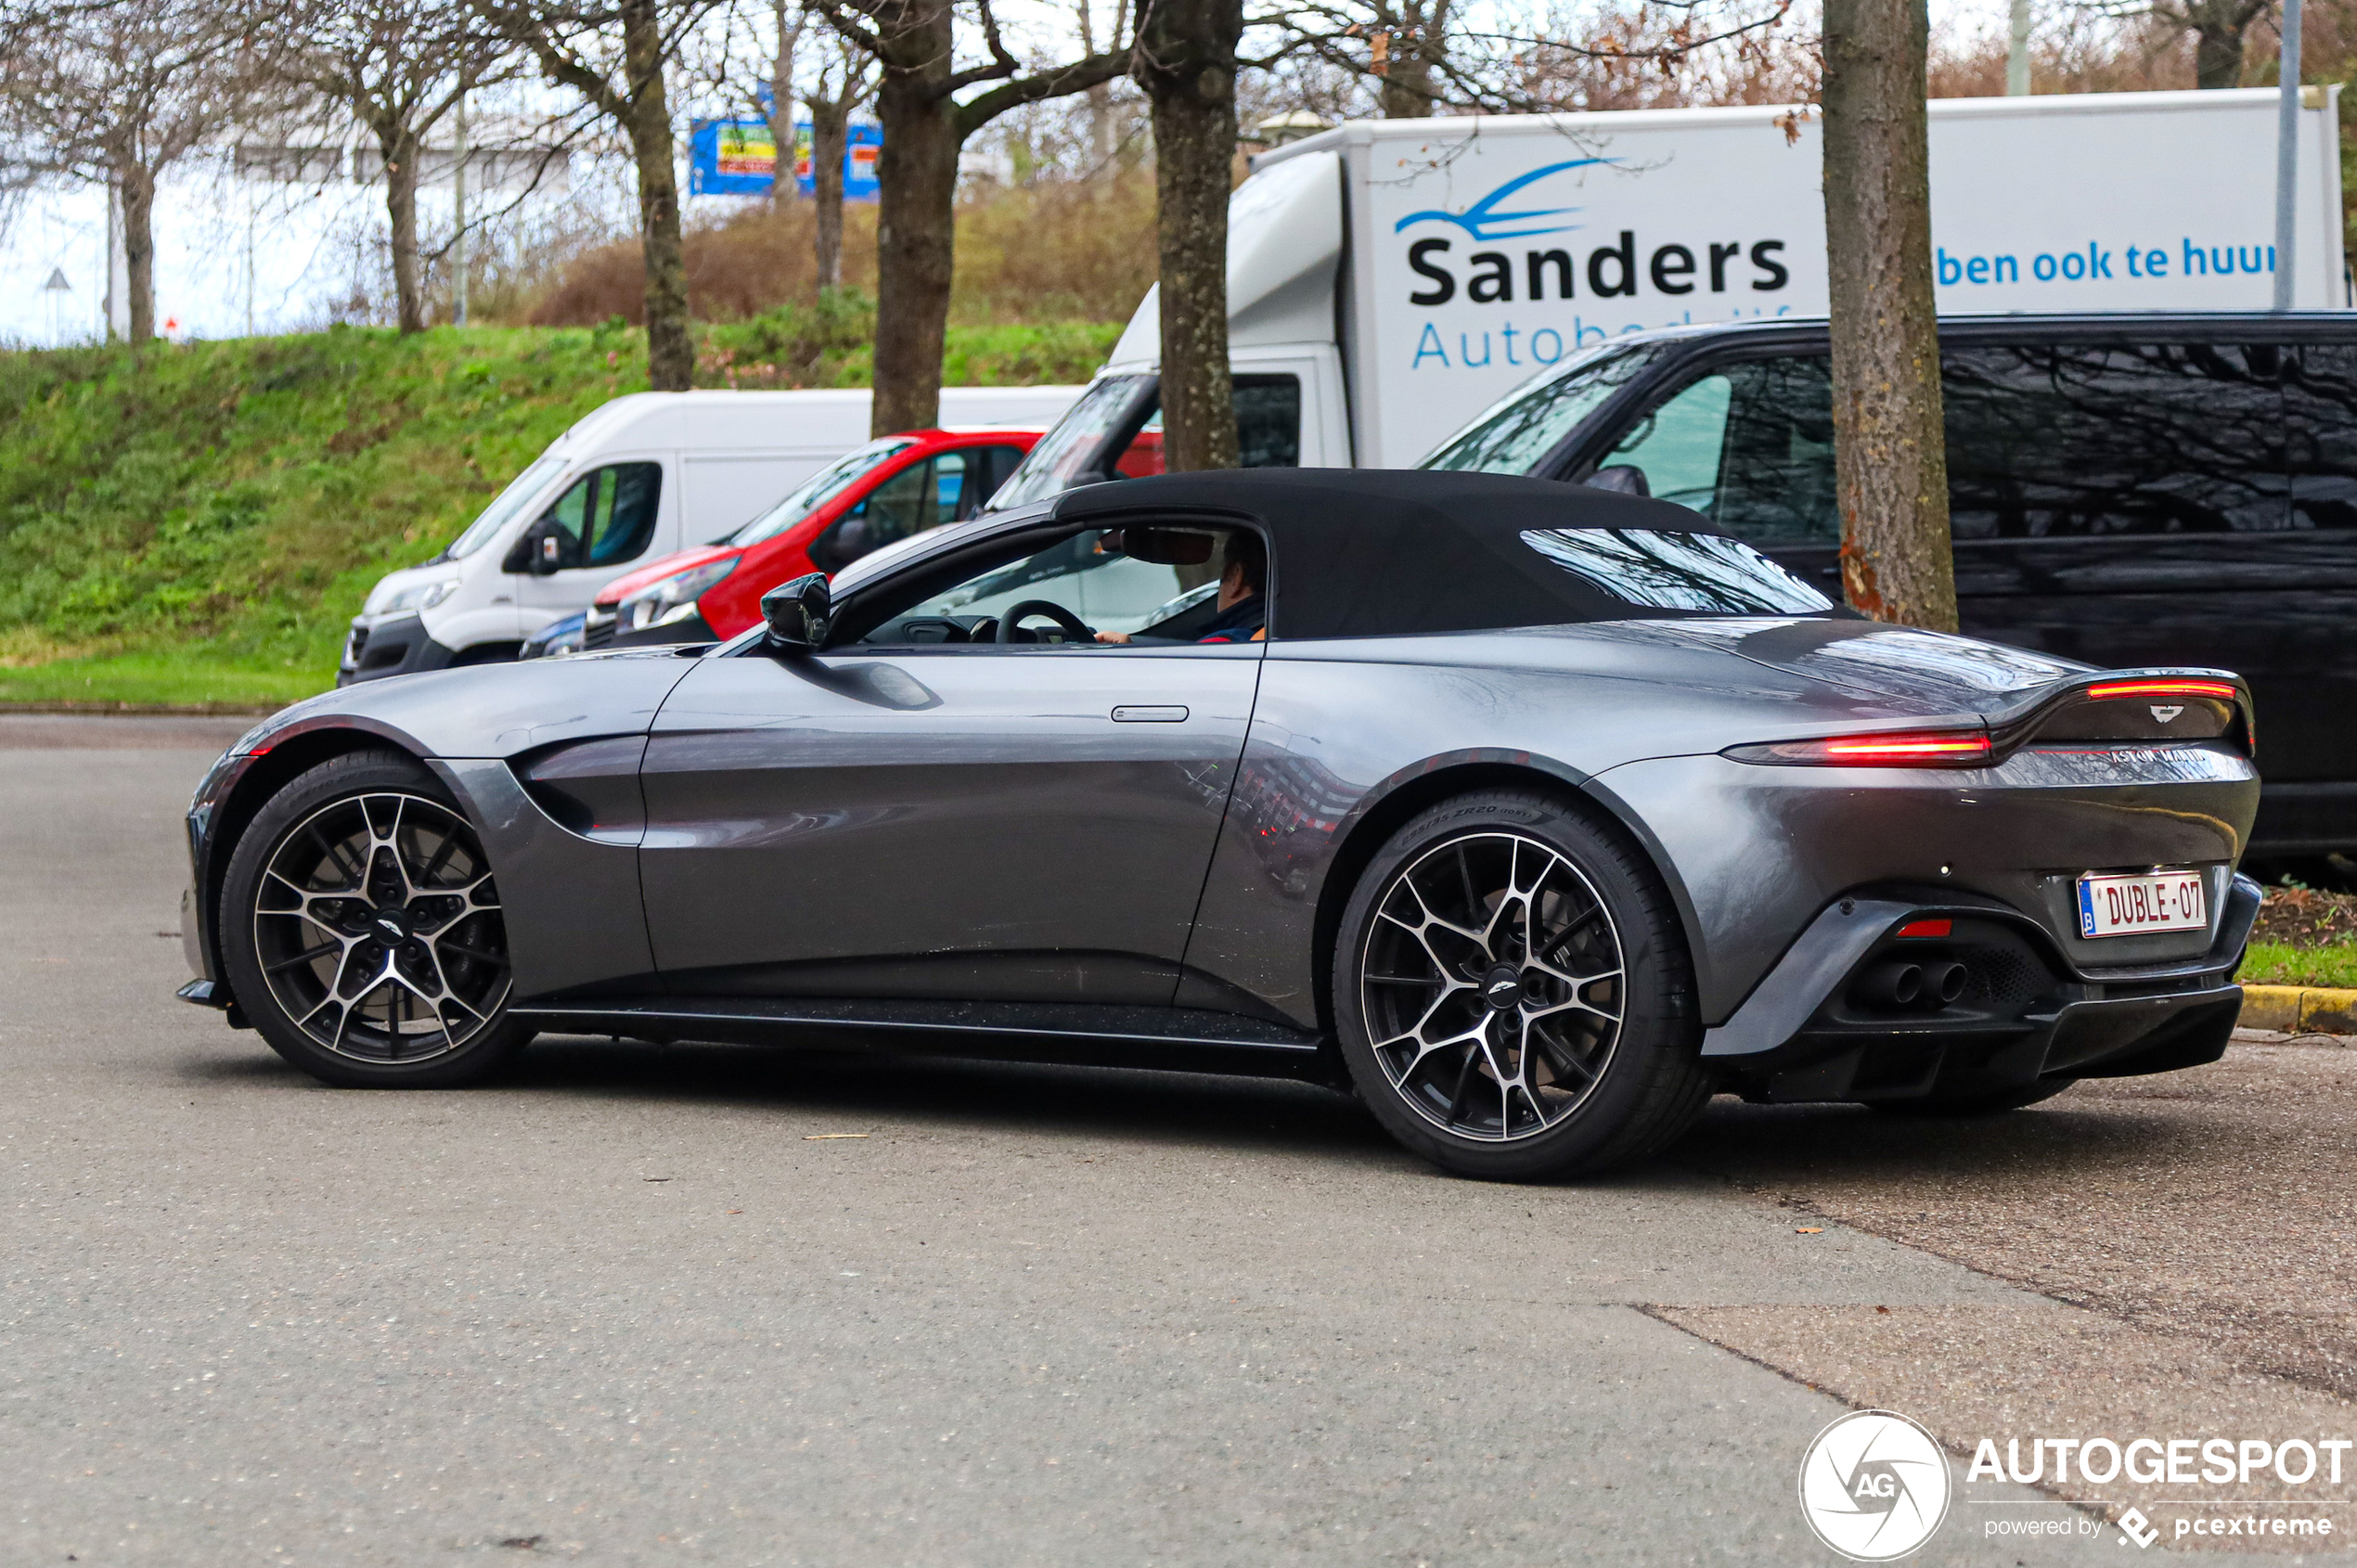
{"x": 1874, "y": 1485}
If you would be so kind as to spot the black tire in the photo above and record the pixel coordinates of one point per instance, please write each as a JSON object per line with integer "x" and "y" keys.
{"x": 1610, "y": 994}
{"x": 361, "y": 931}
{"x": 1995, "y": 1104}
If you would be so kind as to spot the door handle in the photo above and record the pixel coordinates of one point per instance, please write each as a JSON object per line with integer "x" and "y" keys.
{"x": 1170, "y": 715}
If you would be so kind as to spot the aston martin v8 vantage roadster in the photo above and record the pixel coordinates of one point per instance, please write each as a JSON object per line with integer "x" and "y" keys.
{"x": 1534, "y": 814}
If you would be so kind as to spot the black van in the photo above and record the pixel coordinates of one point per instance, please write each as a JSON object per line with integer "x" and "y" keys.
{"x": 2158, "y": 489}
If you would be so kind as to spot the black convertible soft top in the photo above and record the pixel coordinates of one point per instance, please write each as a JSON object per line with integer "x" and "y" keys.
{"x": 1391, "y": 552}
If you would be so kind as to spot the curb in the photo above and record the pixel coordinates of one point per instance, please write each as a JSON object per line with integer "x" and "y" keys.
{"x": 2300, "y": 1009}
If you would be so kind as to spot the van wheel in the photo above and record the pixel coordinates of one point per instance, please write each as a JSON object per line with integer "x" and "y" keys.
{"x": 1514, "y": 994}
{"x": 488, "y": 653}
{"x": 362, "y": 934}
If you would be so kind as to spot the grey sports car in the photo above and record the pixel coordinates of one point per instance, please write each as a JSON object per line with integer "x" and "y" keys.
{"x": 1535, "y": 814}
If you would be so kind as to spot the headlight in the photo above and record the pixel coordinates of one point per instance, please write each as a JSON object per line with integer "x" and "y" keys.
{"x": 673, "y": 598}
{"x": 419, "y": 596}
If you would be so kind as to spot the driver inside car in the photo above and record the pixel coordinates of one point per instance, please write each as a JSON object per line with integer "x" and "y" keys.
{"x": 1243, "y": 604}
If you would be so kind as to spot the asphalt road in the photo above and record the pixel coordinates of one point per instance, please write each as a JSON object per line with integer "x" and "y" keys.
{"x": 718, "y": 1306}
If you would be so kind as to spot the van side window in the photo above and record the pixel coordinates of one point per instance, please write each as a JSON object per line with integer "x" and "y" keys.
{"x": 2069, "y": 441}
{"x": 2320, "y": 434}
{"x": 607, "y": 516}
{"x": 1749, "y": 447}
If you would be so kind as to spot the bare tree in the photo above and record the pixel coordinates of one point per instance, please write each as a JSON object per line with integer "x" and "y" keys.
{"x": 119, "y": 91}
{"x": 925, "y": 125}
{"x": 787, "y": 23}
{"x": 847, "y": 78}
{"x": 1422, "y": 56}
{"x": 1890, "y": 455}
{"x": 1186, "y": 62}
{"x": 2218, "y": 27}
{"x": 1097, "y": 101}
{"x": 398, "y": 67}
{"x": 616, "y": 53}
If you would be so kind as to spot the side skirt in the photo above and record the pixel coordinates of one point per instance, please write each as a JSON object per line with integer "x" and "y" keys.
{"x": 1169, "y": 1039}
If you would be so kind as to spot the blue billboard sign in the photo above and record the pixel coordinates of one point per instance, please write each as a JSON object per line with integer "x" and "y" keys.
{"x": 740, "y": 157}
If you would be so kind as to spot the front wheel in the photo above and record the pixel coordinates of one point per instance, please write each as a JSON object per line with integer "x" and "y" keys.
{"x": 1514, "y": 994}
{"x": 362, "y": 932}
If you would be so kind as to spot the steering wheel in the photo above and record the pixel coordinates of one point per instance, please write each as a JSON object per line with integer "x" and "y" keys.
{"x": 1052, "y": 611}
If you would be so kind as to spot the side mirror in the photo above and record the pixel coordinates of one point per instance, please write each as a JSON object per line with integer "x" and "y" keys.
{"x": 798, "y": 612}
{"x": 538, "y": 551}
{"x": 1625, "y": 478}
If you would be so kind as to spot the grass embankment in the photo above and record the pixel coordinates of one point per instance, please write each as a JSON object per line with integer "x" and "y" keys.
{"x": 2305, "y": 936}
{"x": 197, "y": 527}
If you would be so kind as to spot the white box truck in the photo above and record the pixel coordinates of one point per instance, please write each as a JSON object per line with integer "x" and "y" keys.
{"x": 1389, "y": 280}
{"x": 635, "y": 479}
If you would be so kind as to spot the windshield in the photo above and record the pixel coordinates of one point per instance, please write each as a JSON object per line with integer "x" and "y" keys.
{"x": 1064, "y": 452}
{"x": 819, "y": 488}
{"x": 521, "y": 489}
{"x": 1705, "y": 574}
{"x": 1512, "y": 434}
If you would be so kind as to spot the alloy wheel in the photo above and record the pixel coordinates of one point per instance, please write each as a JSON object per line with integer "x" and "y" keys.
{"x": 1491, "y": 980}
{"x": 379, "y": 929}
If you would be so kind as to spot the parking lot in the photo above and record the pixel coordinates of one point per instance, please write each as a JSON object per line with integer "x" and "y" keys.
{"x": 715, "y": 1304}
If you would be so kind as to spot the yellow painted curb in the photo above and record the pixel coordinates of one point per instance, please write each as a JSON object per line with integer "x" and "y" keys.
{"x": 2300, "y": 1009}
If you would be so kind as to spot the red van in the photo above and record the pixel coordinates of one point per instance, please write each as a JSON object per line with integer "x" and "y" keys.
{"x": 893, "y": 487}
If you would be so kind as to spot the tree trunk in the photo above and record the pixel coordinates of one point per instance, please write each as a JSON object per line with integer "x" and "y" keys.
{"x": 1891, "y": 457}
{"x": 139, "y": 246}
{"x": 2218, "y": 57}
{"x": 1408, "y": 90}
{"x": 670, "y": 352}
{"x": 400, "y": 150}
{"x": 830, "y": 135}
{"x": 917, "y": 181}
{"x": 781, "y": 180}
{"x": 1188, "y": 60}
{"x": 1099, "y": 98}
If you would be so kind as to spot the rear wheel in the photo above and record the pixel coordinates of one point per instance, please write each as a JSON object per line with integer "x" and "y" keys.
{"x": 362, "y": 932}
{"x": 1513, "y": 993}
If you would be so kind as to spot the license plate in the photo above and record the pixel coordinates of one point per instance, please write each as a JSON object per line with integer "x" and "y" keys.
{"x": 2129, "y": 905}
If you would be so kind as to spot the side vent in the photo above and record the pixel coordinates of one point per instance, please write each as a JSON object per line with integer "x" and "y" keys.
{"x": 589, "y": 786}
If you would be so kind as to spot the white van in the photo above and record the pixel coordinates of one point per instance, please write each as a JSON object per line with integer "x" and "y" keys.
{"x": 643, "y": 476}
{"x": 1389, "y": 280}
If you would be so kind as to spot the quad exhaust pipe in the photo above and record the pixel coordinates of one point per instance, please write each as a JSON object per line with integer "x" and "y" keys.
{"x": 1899, "y": 985}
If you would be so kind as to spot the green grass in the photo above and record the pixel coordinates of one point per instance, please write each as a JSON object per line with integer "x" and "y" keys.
{"x": 150, "y": 680}
{"x": 2276, "y": 963}
{"x": 199, "y": 524}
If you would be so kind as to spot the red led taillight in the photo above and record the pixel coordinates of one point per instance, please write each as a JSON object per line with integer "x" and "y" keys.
{"x": 2223, "y": 690}
{"x": 1943, "y": 748}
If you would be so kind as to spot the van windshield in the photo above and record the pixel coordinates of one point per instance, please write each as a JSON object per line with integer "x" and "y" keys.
{"x": 1050, "y": 467}
{"x": 519, "y": 491}
{"x": 819, "y": 488}
{"x": 1512, "y": 434}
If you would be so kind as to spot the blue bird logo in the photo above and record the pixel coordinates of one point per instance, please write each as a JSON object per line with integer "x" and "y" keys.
{"x": 1477, "y": 220}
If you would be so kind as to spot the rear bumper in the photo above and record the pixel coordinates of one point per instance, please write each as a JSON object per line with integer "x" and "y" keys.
{"x": 1800, "y": 1036}
{"x": 396, "y": 646}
